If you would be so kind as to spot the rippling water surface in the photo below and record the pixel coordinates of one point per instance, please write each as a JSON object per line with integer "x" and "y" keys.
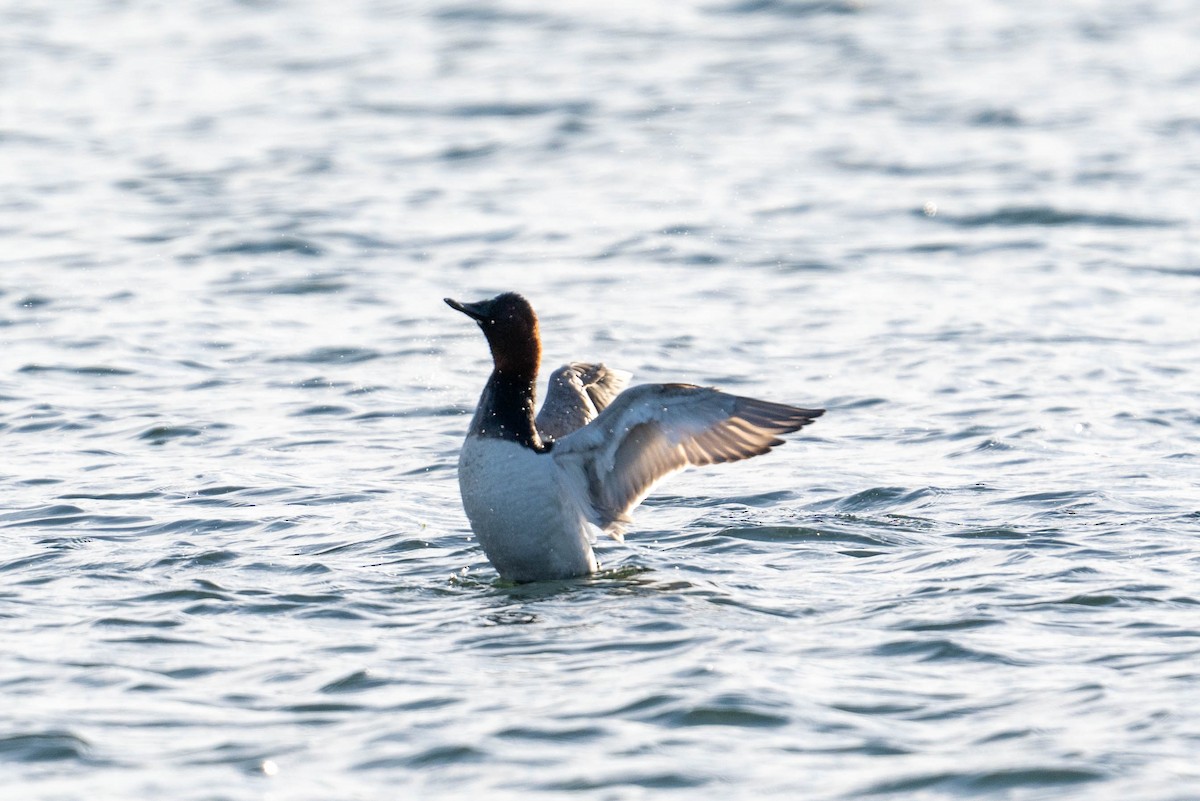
{"x": 234, "y": 561}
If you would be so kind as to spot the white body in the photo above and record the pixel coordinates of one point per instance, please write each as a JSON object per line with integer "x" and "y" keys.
{"x": 528, "y": 521}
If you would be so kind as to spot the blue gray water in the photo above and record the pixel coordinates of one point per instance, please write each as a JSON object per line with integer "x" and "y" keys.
{"x": 234, "y": 561}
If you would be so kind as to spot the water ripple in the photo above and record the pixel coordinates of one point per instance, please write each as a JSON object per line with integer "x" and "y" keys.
{"x": 970, "y": 783}
{"x": 48, "y": 746}
{"x": 331, "y": 355}
{"x": 1048, "y": 215}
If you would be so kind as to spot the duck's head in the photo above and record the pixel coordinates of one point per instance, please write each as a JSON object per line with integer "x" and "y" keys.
{"x": 511, "y": 329}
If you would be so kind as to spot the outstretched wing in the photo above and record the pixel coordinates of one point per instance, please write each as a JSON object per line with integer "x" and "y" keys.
{"x": 653, "y": 430}
{"x": 576, "y": 394}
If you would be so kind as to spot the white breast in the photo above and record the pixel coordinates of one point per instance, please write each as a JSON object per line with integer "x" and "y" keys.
{"x": 528, "y": 524}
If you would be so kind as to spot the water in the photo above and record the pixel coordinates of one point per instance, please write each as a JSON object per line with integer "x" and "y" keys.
{"x": 235, "y": 565}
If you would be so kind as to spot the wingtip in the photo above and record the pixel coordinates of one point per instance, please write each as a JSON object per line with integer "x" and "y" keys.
{"x": 778, "y": 417}
{"x": 806, "y": 417}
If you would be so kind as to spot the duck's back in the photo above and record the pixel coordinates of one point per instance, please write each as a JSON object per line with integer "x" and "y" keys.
{"x": 528, "y": 523}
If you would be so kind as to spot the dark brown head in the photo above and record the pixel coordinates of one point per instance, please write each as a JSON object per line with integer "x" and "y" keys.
{"x": 511, "y": 329}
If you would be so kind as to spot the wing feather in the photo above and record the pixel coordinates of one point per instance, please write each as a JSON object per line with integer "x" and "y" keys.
{"x": 576, "y": 393}
{"x": 654, "y": 430}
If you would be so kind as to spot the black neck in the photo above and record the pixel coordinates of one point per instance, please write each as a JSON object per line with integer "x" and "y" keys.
{"x": 506, "y": 411}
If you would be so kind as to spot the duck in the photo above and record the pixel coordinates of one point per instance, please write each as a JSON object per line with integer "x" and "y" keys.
{"x": 537, "y": 489}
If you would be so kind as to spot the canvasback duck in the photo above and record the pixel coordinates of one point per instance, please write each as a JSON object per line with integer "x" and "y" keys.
{"x": 533, "y": 487}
